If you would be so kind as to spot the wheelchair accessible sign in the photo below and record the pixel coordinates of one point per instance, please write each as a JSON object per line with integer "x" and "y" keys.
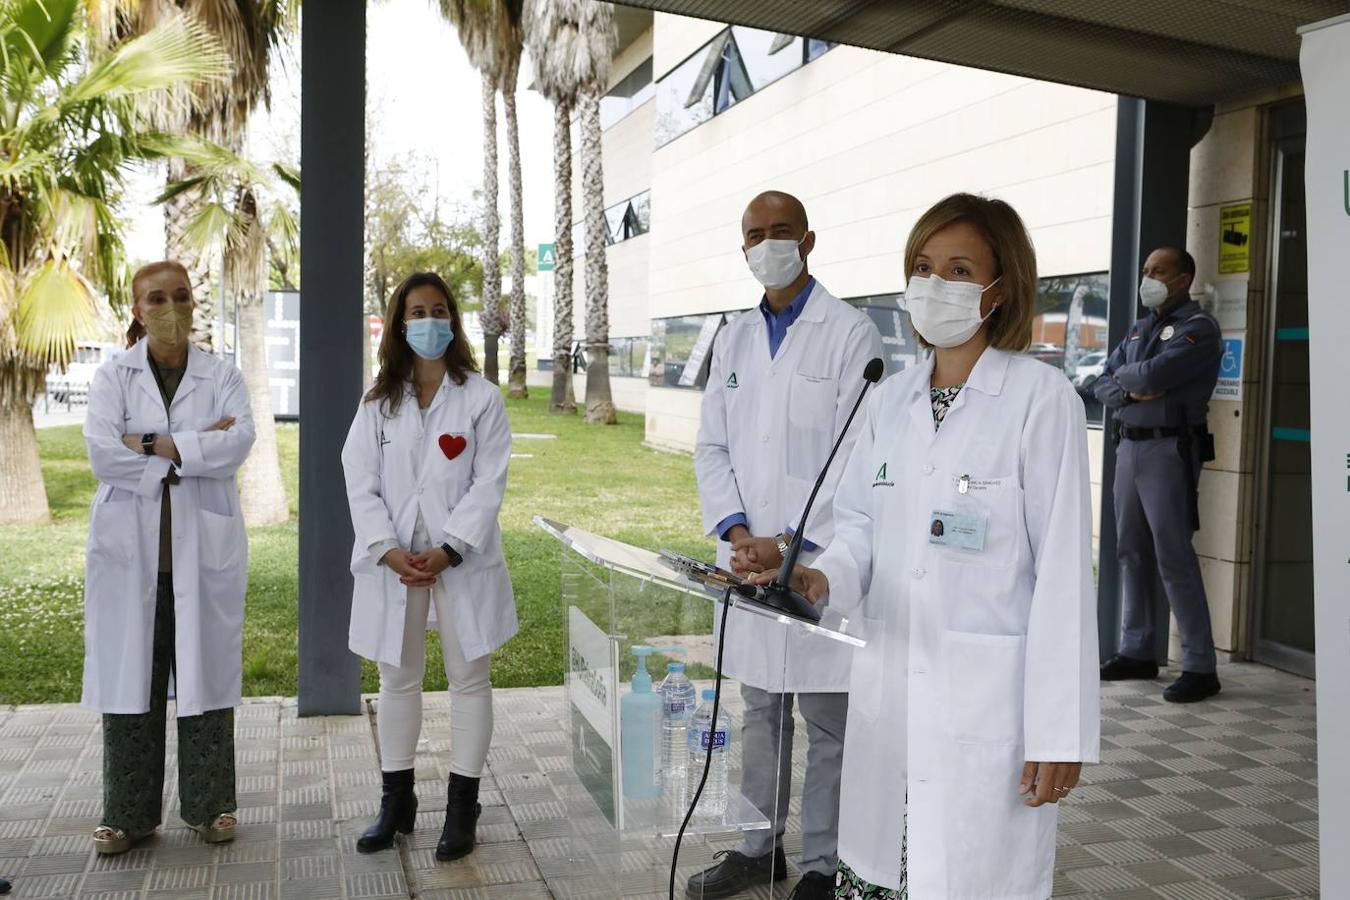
{"x": 1229, "y": 386}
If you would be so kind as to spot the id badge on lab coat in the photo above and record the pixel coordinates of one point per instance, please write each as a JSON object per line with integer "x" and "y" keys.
{"x": 963, "y": 530}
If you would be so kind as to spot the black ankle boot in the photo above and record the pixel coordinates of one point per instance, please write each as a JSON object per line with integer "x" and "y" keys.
{"x": 461, "y": 818}
{"x": 398, "y": 812}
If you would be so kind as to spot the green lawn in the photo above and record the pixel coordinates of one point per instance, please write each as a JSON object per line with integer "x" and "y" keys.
{"x": 602, "y": 479}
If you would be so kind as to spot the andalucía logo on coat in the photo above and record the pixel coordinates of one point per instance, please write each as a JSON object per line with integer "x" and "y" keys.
{"x": 882, "y": 480}
{"x": 732, "y": 382}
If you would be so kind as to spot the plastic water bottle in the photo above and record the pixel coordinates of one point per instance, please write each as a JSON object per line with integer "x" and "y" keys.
{"x": 677, "y": 710}
{"x": 705, "y": 733}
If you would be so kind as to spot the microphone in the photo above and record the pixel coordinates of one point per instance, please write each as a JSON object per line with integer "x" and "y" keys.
{"x": 776, "y": 595}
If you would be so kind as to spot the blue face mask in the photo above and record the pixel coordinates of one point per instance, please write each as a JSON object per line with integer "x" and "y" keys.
{"x": 429, "y": 338}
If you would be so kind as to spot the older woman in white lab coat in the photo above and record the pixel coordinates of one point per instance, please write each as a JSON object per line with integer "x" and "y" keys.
{"x": 425, "y": 464}
{"x": 961, "y": 549}
{"x": 167, "y": 566}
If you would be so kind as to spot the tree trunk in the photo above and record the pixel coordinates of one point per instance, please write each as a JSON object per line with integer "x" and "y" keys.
{"x": 519, "y": 320}
{"x": 177, "y": 215}
{"x": 599, "y": 403}
{"x": 492, "y": 266}
{"x": 562, "y": 399}
{"x": 262, "y": 496}
{"x": 23, "y": 496}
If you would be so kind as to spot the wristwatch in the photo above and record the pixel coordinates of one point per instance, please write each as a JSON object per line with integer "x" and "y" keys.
{"x": 455, "y": 558}
{"x": 782, "y": 545}
{"x": 148, "y": 443}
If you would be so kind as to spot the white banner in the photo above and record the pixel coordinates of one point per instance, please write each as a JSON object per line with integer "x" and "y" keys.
{"x": 1325, "y": 60}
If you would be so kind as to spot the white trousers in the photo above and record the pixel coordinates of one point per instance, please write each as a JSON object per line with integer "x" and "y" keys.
{"x": 399, "y": 716}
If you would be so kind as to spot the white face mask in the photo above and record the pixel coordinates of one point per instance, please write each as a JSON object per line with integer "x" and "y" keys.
{"x": 946, "y": 313}
{"x": 1153, "y": 293}
{"x": 775, "y": 263}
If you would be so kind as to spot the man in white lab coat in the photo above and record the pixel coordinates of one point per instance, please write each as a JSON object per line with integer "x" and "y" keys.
{"x": 782, "y": 380}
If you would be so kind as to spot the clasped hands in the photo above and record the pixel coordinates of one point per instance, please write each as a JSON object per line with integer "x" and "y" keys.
{"x": 417, "y": 569}
{"x": 164, "y": 445}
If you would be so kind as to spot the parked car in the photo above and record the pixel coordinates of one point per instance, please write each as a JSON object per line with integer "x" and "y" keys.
{"x": 1089, "y": 370}
{"x": 72, "y": 385}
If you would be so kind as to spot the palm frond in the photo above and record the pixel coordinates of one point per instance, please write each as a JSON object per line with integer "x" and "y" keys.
{"x": 288, "y": 174}
{"x": 209, "y": 226}
{"x": 56, "y": 307}
{"x": 175, "y": 52}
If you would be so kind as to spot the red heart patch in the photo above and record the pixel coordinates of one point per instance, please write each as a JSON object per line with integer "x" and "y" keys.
{"x": 452, "y": 445}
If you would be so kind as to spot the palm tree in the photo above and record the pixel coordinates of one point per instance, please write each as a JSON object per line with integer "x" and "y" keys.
{"x": 491, "y": 33}
{"x": 242, "y": 216}
{"x": 218, "y": 111}
{"x": 598, "y": 33}
{"x": 556, "y": 31}
{"x": 69, "y": 129}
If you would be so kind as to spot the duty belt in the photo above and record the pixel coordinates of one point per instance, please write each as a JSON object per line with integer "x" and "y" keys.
{"x": 1151, "y": 434}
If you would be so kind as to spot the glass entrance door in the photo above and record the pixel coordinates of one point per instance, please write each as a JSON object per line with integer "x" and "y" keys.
{"x": 1284, "y": 558}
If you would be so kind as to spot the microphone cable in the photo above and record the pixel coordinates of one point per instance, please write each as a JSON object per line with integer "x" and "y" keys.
{"x": 707, "y": 759}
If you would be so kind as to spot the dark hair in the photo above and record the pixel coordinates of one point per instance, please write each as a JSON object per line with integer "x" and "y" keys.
{"x": 136, "y": 331}
{"x": 1185, "y": 262}
{"x": 396, "y": 357}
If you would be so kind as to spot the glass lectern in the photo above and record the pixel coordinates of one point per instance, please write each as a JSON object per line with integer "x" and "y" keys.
{"x": 626, "y": 610}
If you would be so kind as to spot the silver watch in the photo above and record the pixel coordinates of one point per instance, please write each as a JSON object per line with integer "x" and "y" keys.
{"x": 782, "y": 545}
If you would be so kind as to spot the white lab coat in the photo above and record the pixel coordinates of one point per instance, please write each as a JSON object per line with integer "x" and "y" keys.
{"x": 763, "y": 437}
{"x": 210, "y": 546}
{"x": 394, "y": 468}
{"x": 976, "y": 661}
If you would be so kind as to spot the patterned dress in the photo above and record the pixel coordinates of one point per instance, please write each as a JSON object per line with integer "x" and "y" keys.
{"x": 847, "y": 884}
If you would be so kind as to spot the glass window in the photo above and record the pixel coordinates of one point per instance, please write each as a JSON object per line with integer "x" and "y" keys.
{"x": 625, "y": 219}
{"x": 898, "y": 346}
{"x": 725, "y": 71}
{"x": 628, "y": 357}
{"x": 815, "y": 49}
{"x": 1069, "y": 331}
{"x": 634, "y": 90}
{"x": 681, "y": 350}
{"x": 766, "y": 56}
{"x": 679, "y": 107}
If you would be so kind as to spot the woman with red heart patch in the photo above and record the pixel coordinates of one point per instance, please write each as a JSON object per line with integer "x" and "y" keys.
{"x": 425, "y": 464}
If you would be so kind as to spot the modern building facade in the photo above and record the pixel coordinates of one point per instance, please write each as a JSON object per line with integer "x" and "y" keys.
{"x": 702, "y": 115}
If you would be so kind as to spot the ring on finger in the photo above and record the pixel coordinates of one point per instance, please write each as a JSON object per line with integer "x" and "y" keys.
{"x": 1061, "y": 790}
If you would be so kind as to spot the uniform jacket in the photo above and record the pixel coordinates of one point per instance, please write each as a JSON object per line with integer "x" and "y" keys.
{"x": 1176, "y": 355}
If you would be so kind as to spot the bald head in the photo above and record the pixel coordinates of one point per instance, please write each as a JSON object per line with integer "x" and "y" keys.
{"x": 774, "y": 214}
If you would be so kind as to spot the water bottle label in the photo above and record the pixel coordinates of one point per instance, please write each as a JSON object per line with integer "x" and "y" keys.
{"x": 675, "y": 707}
{"x": 719, "y": 738}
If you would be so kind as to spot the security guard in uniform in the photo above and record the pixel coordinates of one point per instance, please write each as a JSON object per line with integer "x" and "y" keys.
{"x": 1158, "y": 382}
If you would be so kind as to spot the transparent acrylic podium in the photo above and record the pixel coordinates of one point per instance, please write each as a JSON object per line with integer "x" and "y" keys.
{"x": 616, "y": 596}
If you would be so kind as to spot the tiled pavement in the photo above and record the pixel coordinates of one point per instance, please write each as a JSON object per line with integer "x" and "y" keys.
{"x": 1209, "y": 802}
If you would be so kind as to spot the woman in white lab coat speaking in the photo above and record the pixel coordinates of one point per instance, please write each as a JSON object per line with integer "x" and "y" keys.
{"x": 166, "y": 568}
{"x": 961, "y": 550}
{"x": 425, "y": 464}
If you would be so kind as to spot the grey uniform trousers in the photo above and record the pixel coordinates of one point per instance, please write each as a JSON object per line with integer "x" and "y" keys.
{"x": 766, "y": 771}
{"x": 1153, "y": 537}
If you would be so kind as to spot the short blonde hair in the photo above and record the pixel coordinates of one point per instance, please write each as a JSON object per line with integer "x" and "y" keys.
{"x": 1015, "y": 257}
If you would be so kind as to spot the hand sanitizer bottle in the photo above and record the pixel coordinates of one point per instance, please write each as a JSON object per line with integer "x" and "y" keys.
{"x": 640, "y": 733}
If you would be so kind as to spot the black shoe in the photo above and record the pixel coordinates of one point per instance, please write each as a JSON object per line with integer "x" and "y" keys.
{"x": 813, "y": 886}
{"x": 1126, "y": 668}
{"x": 4, "y": 886}
{"x": 735, "y": 873}
{"x": 1192, "y": 687}
{"x": 398, "y": 813}
{"x": 462, "y": 810}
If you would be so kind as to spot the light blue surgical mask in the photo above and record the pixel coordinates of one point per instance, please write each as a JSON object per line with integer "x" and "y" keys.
{"x": 429, "y": 338}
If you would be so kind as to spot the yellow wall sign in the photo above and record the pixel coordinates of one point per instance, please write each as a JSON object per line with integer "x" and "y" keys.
{"x": 1235, "y": 239}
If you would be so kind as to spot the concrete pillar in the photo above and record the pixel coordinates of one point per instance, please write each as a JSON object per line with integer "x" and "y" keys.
{"x": 332, "y": 160}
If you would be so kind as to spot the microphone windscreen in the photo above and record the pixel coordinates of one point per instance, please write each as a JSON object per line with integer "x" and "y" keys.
{"x": 874, "y": 369}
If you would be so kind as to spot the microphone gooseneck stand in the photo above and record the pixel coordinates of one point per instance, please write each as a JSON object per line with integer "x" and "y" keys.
{"x": 776, "y": 596}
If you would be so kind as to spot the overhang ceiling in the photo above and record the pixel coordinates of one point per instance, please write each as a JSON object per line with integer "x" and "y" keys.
{"x": 1191, "y": 52}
